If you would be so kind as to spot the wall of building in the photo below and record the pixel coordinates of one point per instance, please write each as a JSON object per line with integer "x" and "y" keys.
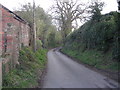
{"x": 1, "y": 30}
{"x": 14, "y": 33}
{"x": 0, "y": 47}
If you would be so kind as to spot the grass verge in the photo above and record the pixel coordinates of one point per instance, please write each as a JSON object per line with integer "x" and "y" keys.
{"x": 28, "y": 72}
{"x": 94, "y": 58}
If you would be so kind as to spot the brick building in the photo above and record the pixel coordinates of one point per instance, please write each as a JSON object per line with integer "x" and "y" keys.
{"x": 14, "y": 33}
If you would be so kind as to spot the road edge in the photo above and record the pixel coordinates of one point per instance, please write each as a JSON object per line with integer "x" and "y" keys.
{"x": 108, "y": 74}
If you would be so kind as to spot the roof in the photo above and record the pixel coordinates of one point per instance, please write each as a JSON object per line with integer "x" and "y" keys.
{"x": 15, "y": 15}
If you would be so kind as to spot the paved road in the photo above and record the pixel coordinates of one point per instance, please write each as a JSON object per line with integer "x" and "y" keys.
{"x": 63, "y": 72}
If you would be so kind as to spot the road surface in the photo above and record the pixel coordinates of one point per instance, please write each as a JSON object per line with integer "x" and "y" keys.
{"x": 63, "y": 72}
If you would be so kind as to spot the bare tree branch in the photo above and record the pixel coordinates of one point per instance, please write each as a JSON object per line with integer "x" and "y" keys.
{"x": 66, "y": 13}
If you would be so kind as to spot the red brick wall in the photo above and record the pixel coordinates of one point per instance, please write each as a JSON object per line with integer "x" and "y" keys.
{"x": 0, "y": 47}
{"x": 1, "y": 32}
{"x": 14, "y": 33}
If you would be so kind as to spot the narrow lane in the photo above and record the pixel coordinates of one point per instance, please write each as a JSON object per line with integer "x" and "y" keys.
{"x": 63, "y": 72}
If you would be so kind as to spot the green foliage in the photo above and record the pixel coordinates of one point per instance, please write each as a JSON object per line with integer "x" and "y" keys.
{"x": 26, "y": 74}
{"x": 43, "y": 22}
{"x": 92, "y": 57}
{"x": 51, "y": 40}
{"x": 39, "y": 44}
{"x": 96, "y": 42}
{"x": 96, "y": 9}
{"x": 116, "y": 48}
{"x": 101, "y": 35}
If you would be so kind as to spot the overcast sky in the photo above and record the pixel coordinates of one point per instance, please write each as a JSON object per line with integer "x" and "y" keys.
{"x": 111, "y": 5}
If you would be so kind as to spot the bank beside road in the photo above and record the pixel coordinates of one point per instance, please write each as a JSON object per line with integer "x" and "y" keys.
{"x": 96, "y": 44}
{"x": 28, "y": 73}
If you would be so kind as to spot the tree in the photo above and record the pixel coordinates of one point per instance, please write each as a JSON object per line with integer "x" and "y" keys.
{"x": 27, "y": 12}
{"x": 96, "y": 8}
{"x": 65, "y": 13}
{"x": 42, "y": 20}
{"x": 51, "y": 39}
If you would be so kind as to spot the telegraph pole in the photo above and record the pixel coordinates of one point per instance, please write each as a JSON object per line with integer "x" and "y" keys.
{"x": 34, "y": 28}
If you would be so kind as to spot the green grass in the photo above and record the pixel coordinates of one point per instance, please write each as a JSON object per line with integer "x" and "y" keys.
{"x": 26, "y": 74}
{"x": 94, "y": 58}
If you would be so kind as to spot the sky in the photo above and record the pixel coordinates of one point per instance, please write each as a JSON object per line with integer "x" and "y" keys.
{"x": 111, "y": 5}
